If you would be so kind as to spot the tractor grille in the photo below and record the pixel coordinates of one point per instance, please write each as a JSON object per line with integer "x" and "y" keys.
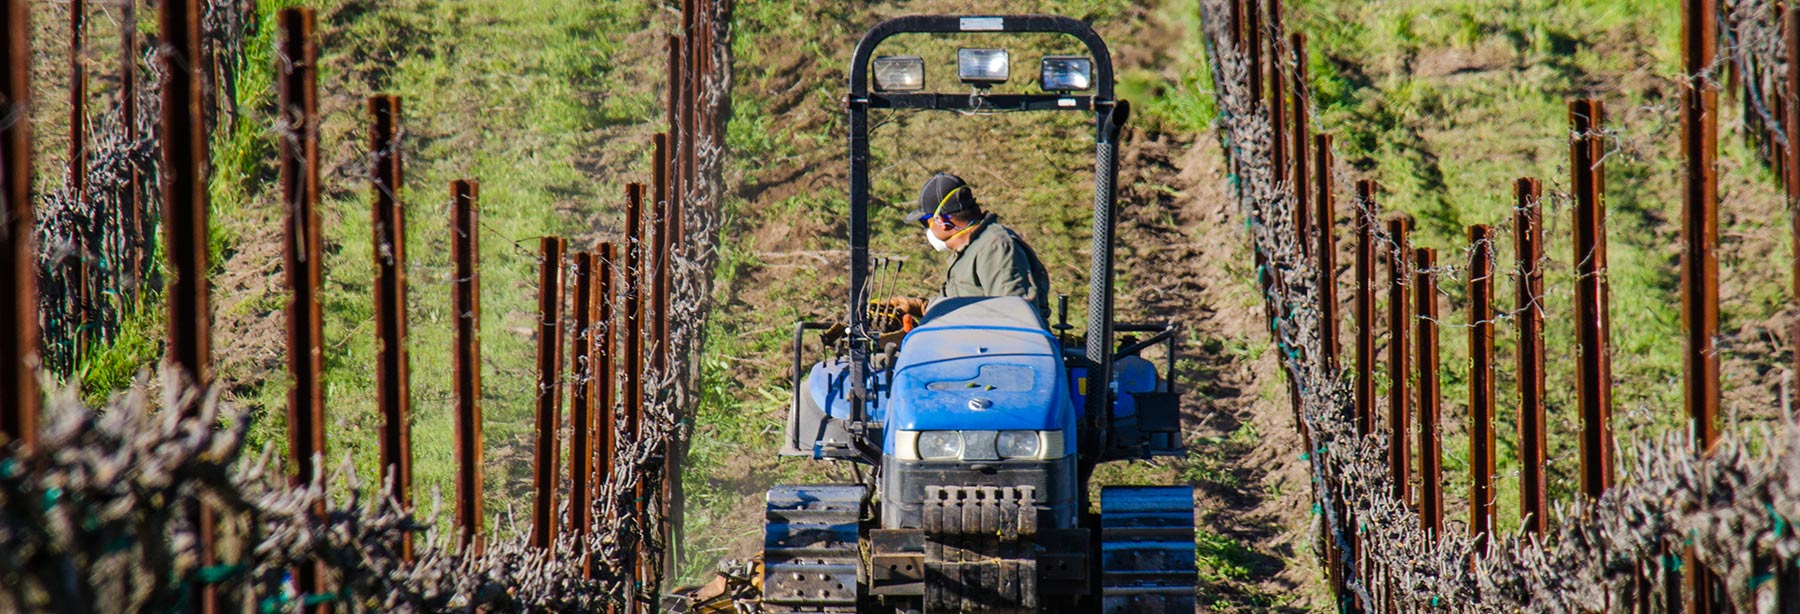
{"x": 979, "y": 548}
{"x": 908, "y": 484}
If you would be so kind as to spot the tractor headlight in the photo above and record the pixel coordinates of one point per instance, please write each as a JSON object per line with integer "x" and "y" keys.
{"x": 938, "y": 445}
{"x": 1018, "y": 444}
{"x": 1066, "y": 73}
{"x": 982, "y": 67}
{"x": 899, "y": 73}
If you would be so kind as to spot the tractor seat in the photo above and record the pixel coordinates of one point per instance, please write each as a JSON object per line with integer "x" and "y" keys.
{"x": 982, "y": 311}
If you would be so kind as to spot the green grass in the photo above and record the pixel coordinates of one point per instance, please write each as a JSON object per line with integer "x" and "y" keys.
{"x": 113, "y": 367}
{"x": 1222, "y": 558}
{"x": 1178, "y": 100}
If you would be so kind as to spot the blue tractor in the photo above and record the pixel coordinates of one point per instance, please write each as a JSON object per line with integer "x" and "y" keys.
{"x": 981, "y": 424}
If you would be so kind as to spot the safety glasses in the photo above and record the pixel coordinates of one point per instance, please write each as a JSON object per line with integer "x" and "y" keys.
{"x": 940, "y": 208}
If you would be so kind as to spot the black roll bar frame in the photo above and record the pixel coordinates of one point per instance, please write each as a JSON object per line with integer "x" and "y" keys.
{"x": 1109, "y": 116}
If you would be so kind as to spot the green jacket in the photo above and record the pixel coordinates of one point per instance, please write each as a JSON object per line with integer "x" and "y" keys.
{"x": 996, "y": 262}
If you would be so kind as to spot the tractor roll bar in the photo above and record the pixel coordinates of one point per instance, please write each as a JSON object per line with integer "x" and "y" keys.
{"x": 964, "y": 24}
{"x": 1109, "y": 117}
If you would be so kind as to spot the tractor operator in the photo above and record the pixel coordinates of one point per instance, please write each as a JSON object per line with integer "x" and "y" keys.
{"x": 990, "y": 260}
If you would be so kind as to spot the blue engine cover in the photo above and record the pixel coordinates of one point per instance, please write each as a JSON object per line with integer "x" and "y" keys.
{"x": 979, "y": 364}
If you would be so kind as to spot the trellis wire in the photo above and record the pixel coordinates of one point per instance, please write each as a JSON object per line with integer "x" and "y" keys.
{"x": 105, "y": 500}
{"x": 1733, "y": 507}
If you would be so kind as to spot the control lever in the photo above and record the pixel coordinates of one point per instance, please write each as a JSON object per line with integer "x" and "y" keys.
{"x": 892, "y": 352}
{"x": 1062, "y": 326}
{"x": 907, "y": 321}
{"x": 872, "y": 294}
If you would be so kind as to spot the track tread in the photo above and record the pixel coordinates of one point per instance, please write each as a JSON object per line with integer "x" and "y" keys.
{"x": 810, "y": 548}
{"x": 1147, "y": 558}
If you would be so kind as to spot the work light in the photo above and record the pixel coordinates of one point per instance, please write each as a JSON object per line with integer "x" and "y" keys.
{"x": 899, "y": 73}
{"x": 1066, "y": 73}
{"x": 981, "y": 67}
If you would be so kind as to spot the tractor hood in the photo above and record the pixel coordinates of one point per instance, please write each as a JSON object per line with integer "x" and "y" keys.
{"x": 979, "y": 364}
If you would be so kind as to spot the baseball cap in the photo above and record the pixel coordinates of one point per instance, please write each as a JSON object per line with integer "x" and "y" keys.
{"x": 943, "y": 193}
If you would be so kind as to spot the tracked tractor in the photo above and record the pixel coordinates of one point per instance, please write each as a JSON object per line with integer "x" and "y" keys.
{"x": 981, "y": 422}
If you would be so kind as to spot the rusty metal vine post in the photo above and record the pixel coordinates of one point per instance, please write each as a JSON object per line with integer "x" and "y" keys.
{"x": 632, "y": 329}
{"x": 1431, "y": 443}
{"x": 582, "y": 400}
{"x": 1700, "y": 258}
{"x": 659, "y": 271}
{"x": 659, "y": 326}
{"x": 549, "y": 393}
{"x": 672, "y": 104}
{"x": 1791, "y": 32}
{"x": 605, "y": 418}
{"x": 1236, "y": 28}
{"x": 1326, "y": 261}
{"x": 188, "y": 348}
{"x": 1399, "y": 367}
{"x": 136, "y": 229}
{"x": 684, "y": 94}
{"x": 1303, "y": 214}
{"x": 78, "y": 283}
{"x": 581, "y": 461}
{"x": 1481, "y": 387}
{"x": 18, "y": 258}
{"x": 78, "y": 94}
{"x": 1363, "y": 221}
{"x": 465, "y": 304}
{"x": 297, "y": 157}
{"x": 633, "y": 332}
{"x": 674, "y": 137}
{"x": 1252, "y": 46}
{"x": 185, "y": 223}
{"x": 1326, "y": 251}
{"x": 392, "y": 372}
{"x": 1528, "y": 232}
{"x": 659, "y": 362}
{"x": 1594, "y": 366}
{"x": 1700, "y": 221}
{"x": 690, "y": 90}
{"x": 1278, "y": 121}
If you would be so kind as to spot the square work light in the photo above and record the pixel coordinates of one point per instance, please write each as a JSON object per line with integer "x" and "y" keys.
{"x": 981, "y": 67}
{"x": 1066, "y": 73}
{"x": 899, "y": 73}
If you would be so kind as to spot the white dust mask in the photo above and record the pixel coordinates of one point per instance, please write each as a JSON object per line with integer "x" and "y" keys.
{"x": 936, "y": 243}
